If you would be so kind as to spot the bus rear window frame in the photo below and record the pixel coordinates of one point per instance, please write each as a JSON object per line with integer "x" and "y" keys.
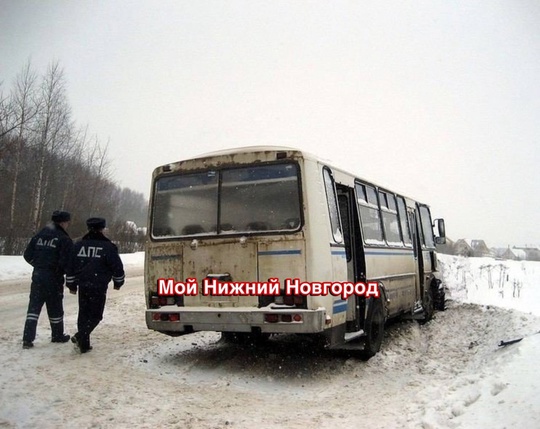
{"x": 220, "y": 235}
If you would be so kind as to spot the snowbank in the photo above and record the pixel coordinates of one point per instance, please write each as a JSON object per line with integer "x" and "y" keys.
{"x": 15, "y": 267}
{"x": 487, "y": 281}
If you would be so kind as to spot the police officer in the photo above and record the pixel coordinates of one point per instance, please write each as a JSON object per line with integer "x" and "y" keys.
{"x": 49, "y": 253}
{"x": 95, "y": 261}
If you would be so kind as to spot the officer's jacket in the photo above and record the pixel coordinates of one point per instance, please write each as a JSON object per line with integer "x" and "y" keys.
{"x": 50, "y": 249}
{"x": 95, "y": 261}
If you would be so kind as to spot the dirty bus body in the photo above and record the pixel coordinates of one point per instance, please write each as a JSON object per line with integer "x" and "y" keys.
{"x": 254, "y": 214}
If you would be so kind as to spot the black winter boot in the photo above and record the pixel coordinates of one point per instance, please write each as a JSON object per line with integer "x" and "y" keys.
{"x": 64, "y": 338}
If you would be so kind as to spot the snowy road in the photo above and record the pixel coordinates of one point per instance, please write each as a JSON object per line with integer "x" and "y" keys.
{"x": 14, "y": 299}
{"x": 430, "y": 376}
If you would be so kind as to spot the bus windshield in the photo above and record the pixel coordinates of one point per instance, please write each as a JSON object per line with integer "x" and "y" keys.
{"x": 262, "y": 198}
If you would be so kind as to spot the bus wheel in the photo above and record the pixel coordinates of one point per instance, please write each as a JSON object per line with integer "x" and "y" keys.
{"x": 374, "y": 330}
{"x": 429, "y": 305}
{"x": 439, "y": 297}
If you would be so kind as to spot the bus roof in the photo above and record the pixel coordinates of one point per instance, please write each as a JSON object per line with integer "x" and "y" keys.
{"x": 304, "y": 154}
{"x": 248, "y": 149}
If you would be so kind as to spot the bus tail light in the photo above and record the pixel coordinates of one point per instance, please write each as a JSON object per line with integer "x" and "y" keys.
{"x": 166, "y": 317}
{"x": 271, "y": 318}
{"x": 283, "y": 318}
{"x": 157, "y": 301}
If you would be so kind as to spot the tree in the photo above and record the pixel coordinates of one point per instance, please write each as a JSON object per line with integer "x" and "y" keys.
{"x": 24, "y": 107}
{"x": 53, "y": 130}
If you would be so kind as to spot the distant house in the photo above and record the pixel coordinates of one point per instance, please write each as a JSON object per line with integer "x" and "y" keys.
{"x": 467, "y": 247}
{"x": 533, "y": 255}
{"x": 462, "y": 248}
{"x": 521, "y": 255}
{"x": 527, "y": 253}
{"x": 504, "y": 253}
{"x": 480, "y": 248}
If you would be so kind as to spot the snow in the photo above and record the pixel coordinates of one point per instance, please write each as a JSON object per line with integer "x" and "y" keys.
{"x": 487, "y": 281}
{"x": 448, "y": 373}
{"x": 15, "y": 267}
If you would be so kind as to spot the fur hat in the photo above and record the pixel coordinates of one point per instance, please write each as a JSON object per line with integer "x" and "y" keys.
{"x": 60, "y": 216}
{"x": 96, "y": 223}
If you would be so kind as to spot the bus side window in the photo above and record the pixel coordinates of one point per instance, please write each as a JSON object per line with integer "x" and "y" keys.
{"x": 427, "y": 229}
{"x": 403, "y": 221}
{"x": 332, "y": 205}
{"x": 370, "y": 215}
{"x": 390, "y": 218}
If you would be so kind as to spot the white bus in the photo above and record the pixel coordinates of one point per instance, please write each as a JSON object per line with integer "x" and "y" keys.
{"x": 247, "y": 218}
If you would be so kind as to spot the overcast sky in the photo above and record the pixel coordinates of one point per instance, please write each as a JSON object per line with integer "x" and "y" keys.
{"x": 439, "y": 100}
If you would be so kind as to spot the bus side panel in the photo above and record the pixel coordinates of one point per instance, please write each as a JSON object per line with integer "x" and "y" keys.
{"x": 324, "y": 263}
{"x": 396, "y": 269}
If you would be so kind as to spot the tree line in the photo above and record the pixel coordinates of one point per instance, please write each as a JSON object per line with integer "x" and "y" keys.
{"x": 48, "y": 162}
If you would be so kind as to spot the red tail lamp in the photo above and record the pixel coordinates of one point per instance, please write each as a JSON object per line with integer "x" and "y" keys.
{"x": 271, "y": 318}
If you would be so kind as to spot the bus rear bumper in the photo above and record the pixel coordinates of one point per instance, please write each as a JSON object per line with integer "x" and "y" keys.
{"x": 244, "y": 319}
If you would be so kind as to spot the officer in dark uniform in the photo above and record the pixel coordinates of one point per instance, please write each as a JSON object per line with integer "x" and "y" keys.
{"x": 95, "y": 261}
{"x": 49, "y": 253}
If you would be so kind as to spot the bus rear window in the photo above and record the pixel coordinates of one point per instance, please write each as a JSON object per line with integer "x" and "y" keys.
{"x": 260, "y": 198}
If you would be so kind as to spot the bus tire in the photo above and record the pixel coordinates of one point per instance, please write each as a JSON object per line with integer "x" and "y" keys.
{"x": 439, "y": 297}
{"x": 428, "y": 302}
{"x": 374, "y": 330}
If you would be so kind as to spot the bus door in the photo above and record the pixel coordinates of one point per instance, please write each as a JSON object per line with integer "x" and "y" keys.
{"x": 354, "y": 253}
{"x": 414, "y": 226}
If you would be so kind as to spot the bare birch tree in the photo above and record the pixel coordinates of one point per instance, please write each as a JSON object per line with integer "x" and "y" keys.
{"x": 99, "y": 166}
{"x": 25, "y": 108}
{"x": 53, "y": 124}
{"x": 70, "y": 176}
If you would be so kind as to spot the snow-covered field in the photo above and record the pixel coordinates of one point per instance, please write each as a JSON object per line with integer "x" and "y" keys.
{"x": 449, "y": 373}
{"x": 15, "y": 267}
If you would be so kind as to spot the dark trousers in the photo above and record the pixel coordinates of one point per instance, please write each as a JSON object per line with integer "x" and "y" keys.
{"x": 47, "y": 289}
{"x": 91, "y": 306}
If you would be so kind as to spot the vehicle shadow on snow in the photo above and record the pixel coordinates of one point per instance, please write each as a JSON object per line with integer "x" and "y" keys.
{"x": 281, "y": 357}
